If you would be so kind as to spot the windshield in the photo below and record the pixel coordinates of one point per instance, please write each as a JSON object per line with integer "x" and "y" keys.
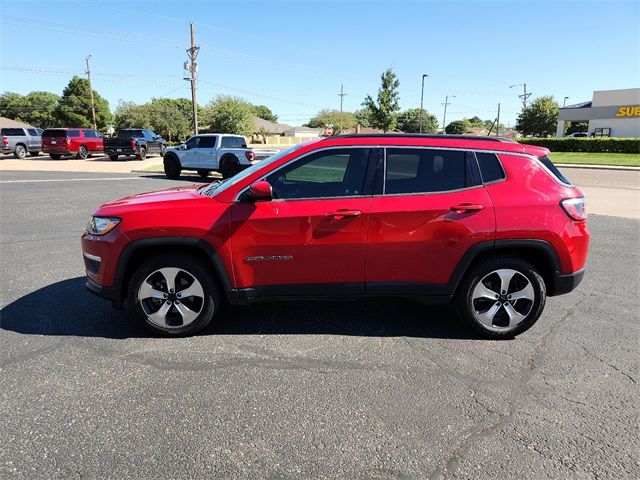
{"x": 219, "y": 186}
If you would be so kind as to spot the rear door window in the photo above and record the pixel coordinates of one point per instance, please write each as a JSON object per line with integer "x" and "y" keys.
{"x": 33, "y": 132}
{"x": 73, "y": 133}
{"x": 234, "y": 142}
{"x": 89, "y": 133}
{"x": 207, "y": 142}
{"x": 420, "y": 170}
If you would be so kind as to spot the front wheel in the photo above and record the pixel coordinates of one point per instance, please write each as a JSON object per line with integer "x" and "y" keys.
{"x": 173, "y": 294}
{"x": 171, "y": 167}
{"x": 34, "y": 154}
{"x": 204, "y": 173}
{"x": 83, "y": 153}
{"x": 501, "y": 298}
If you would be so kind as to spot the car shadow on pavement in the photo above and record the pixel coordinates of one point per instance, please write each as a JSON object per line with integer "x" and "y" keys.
{"x": 67, "y": 308}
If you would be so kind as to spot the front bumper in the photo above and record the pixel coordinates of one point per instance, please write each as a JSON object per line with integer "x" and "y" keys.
{"x": 109, "y": 293}
{"x": 566, "y": 283}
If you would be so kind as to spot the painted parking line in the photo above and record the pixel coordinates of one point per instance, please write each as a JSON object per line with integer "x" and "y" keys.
{"x": 44, "y": 180}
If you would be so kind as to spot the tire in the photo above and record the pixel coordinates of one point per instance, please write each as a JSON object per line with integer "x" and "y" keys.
{"x": 113, "y": 158}
{"x": 230, "y": 167}
{"x": 55, "y": 156}
{"x": 142, "y": 154}
{"x": 83, "y": 153}
{"x": 172, "y": 168}
{"x": 152, "y": 302}
{"x": 20, "y": 152}
{"x": 34, "y": 154}
{"x": 500, "y": 316}
{"x": 204, "y": 173}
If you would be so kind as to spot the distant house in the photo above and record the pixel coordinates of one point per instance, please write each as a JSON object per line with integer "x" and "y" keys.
{"x": 8, "y": 123}
{"x": 303, "y": 132}
{"x": 265, "y": 127}
{"x": 359, "y": 129}
{"x": 478, "y": 131}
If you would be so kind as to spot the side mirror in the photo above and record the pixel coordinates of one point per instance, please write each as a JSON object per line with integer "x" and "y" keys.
{"x": 260, "y": 191}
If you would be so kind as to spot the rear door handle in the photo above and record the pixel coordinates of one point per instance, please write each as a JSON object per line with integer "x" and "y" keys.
{"x": 344, "y": 213}
{"x": 466, "y": 207}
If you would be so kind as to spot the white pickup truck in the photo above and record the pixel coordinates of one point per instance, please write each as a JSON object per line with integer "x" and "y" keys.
{"x": 227, "y": 154}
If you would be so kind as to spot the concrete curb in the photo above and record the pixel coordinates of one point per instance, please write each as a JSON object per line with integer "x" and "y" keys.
{"x": 598, "y": 167}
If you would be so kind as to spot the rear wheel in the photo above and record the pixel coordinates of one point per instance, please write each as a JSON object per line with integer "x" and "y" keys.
{"x": 229, "y": 168}
{"x": 204, "y": 173}
{"x": 55, "y": 156}
{"x": 113, "y": 158}
{"x": 501, "y": 298}
{"x": 83, "y": 153}
{"x": 142, "y": 154}
{"x": 173, "y": 294}
{"x": 20, "y": 152}
{"x": 34, "y": 154}
{"x": 171, "y": 167}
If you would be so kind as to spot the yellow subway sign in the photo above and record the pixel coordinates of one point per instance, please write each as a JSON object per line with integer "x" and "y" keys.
{"x": 631, "y": 111}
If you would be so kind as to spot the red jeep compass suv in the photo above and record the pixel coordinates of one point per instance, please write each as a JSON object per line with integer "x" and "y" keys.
{"x": 487, "y": 222}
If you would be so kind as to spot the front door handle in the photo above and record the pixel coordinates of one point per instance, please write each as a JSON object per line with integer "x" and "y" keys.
{"x": 344, "y": 213}
{"x": 466, "y": 207}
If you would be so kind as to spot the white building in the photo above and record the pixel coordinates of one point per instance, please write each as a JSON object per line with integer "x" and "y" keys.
{"x": 610, "y": 113}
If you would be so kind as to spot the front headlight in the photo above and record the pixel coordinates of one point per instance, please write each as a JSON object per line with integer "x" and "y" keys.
{"x": 101, "y": 225}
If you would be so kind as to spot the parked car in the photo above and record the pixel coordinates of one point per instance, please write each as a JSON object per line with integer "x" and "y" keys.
{"x": 135, "y": 141}
{"x": 487, "y": 223}
{"x": 578, "y": 135}
{"x": 227, "y": 154}
{"x": 19, "y": 141}
{"x": 81, "y": 142}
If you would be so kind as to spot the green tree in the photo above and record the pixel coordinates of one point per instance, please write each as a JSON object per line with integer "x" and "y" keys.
{"x": 363, "y": 117}
{"x": 326, "y": 117}
{"x": 457, "y": 127}
{"x": 539, "y": 118}
{"x": 228, "y": 114}
{"x": 264, "y": 112}
{"x": 35, "y": 108}
{"x": 475, "y": 121}
{"x": 169, "y": 117}
{"x": 74, "y": 108}
{"x": 11, "y": 105}
{"x": 130, "y": 115}
{"x": 409, "y": 121}
{"x": 384, "y": 111}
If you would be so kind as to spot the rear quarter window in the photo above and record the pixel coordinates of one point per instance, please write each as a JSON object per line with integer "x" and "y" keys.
{"x": 73, "y": 133}
{"x": 490, "y": 167}
{"x": 234, "y": 142}
{"x": 546, "y": 161}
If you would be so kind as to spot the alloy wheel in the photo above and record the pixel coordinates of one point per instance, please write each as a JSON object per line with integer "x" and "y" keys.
{"x": 171, "y": 297}
{"x": 502, "y": 299}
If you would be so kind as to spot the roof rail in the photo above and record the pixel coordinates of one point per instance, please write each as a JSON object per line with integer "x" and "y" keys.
{"x": 426, "y": 135}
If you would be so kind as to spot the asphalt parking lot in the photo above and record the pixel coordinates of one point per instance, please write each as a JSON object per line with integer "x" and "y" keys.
{"x": 375, "y": 389}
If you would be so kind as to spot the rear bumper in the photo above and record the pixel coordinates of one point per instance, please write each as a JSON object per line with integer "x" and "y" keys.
{"x": 120, "y": 151}
{"x": 58, "y": 150}
{"x": 566, "y": 283}
{"x": 109, "y": 293}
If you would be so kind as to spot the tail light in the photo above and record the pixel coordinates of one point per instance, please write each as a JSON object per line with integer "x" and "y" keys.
{"x": 134, "y": 145}
{"x": 575, "y": 208}
{"x": 250, "y": 155}
{"x": 5, "y": 140}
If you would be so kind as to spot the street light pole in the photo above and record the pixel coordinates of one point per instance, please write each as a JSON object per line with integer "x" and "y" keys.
{"x": 93, "y": 107}
{"x": 424, "y": 75}
{"x": 524, "y": 95}
{"x": 564, "y": 104}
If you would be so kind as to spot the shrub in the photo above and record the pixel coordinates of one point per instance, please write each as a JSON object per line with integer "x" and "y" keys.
{"x": 599, "y": 145}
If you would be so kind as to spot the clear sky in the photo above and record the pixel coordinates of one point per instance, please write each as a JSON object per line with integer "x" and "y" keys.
{"x": 294, "y": 55}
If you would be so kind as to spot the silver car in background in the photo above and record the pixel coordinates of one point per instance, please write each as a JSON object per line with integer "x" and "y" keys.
{"x": 20, "y": 141}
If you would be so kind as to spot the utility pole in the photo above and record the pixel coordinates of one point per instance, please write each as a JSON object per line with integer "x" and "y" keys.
{"x": 93, "y": 107}
{"x": 341, "y": 95}
{"x": 192, "y": 67}
{"x": 424, "y": 75}
{"x": 524, "y": 95}
{"x": 444, "y": 115}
